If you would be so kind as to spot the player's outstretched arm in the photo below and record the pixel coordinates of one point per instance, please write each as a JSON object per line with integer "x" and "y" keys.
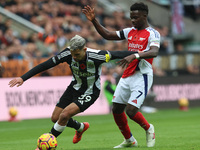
{"x": 17, "y": 81}
{"x": 90, "y": 14}
{"x": 153, "y": 52}
{"x": 125, "y": 56}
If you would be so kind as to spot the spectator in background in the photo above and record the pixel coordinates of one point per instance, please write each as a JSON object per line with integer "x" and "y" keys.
{"x": 48, "y": 37}
{"x": 158, "y": 71}
{"x": 191, "y": 68}
{"x": 193, "y": 11}
{"x": 14, "y": 51}
{"x": 24, "y": 37}
{"x": 3, "y": 41}
{"x": 166, "y": 43}
{"x": 3, "y": 26}
{"x": 61, "y": 39}
{"x": 109, "y": 87}
{"x": 64, "y": 15}
{"x": 3, "y": 55}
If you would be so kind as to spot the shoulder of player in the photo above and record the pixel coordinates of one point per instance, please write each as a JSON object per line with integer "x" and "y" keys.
{"x": 96, "y": 54}
{"x": 90, "y": 50}
{"x": 152, "y": 31}
{"x": 65, "y": 52}
{"x": 129, "y": 29}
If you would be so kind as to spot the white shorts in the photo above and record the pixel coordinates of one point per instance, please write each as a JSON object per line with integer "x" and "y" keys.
{"x": 133, "y": 89}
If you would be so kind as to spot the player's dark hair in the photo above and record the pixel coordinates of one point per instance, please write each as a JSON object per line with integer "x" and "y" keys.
{"x": 140, "y": 7}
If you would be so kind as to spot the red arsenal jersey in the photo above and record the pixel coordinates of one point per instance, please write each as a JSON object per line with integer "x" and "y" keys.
{"x": 140, "y": 40}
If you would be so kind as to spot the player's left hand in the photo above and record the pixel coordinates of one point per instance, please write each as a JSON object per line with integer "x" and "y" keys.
{"x": 126, "y": 61}
{"x": 17, "y": 81}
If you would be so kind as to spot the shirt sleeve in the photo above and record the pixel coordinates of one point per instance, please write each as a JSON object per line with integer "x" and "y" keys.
{"x": 37, "y": 69}
{"x": 63, "y": 56}
{"x": 155, "y": 39}
{"x": 123, "y": 34}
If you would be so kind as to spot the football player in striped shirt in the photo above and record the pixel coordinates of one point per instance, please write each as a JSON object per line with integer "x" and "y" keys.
{"x": 84, "y": 89}
{"x": 137, "y": 79}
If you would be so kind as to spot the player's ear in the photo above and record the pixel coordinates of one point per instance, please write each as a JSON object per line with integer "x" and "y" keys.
{"x": 145, "y": 14}
{"x": 85, "y": 49}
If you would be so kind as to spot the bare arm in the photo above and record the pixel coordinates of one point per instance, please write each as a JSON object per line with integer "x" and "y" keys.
{"x": 108, "y": 35}
{"x": 153, "y": 52}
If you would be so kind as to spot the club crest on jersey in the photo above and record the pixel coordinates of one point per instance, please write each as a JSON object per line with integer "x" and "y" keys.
{"x": 74, "y": 64}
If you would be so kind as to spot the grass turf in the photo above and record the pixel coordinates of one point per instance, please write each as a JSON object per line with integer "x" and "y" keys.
{"x": 175, "y": 130}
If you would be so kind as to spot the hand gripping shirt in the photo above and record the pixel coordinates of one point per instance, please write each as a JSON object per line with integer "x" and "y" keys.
{"x": 140, "y": 40}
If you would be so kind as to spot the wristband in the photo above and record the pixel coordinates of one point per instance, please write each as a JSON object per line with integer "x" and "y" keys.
{"x": 137, "y": 56}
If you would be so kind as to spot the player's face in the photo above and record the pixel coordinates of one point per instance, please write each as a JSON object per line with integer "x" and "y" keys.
{"x": 138, "y": 19}
{"x": 79, "y": 55}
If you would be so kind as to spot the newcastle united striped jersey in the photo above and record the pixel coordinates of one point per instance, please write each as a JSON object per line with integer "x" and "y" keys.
{"x": 86, "y": 74}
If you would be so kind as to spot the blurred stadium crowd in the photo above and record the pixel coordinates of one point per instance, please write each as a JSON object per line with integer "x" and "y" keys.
{"x": 61, "y": 20}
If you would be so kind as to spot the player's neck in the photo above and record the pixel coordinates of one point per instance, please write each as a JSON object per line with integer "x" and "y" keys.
{"x": 143, "y": 27}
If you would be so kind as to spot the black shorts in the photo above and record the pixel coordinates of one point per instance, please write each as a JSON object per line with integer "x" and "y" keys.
{"x": 81, "y": 100}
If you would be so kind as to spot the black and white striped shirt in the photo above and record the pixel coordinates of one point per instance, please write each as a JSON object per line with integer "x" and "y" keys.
{"x": 86, "y": 74}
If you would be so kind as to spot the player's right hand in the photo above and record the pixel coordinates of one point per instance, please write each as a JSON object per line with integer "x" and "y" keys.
{"x": 89, "y": 12}
{"x": 17, "y": 81}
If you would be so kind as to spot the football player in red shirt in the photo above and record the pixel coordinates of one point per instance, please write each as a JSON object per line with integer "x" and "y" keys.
{"x": 137, "y": 79}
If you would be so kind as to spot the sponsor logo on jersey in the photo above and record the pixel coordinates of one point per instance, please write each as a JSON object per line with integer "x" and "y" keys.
{"x": 135, "y": 46}
{"x": 157, "y": 42}
{"x": 141, "y": 39}
{"x": 83, "y": 74}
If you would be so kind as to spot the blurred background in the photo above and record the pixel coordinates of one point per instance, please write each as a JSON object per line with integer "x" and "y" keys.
{"x": 32, "y": 31}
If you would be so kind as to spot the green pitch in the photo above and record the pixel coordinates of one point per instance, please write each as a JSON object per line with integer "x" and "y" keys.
{"x": 175, "y": 130}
